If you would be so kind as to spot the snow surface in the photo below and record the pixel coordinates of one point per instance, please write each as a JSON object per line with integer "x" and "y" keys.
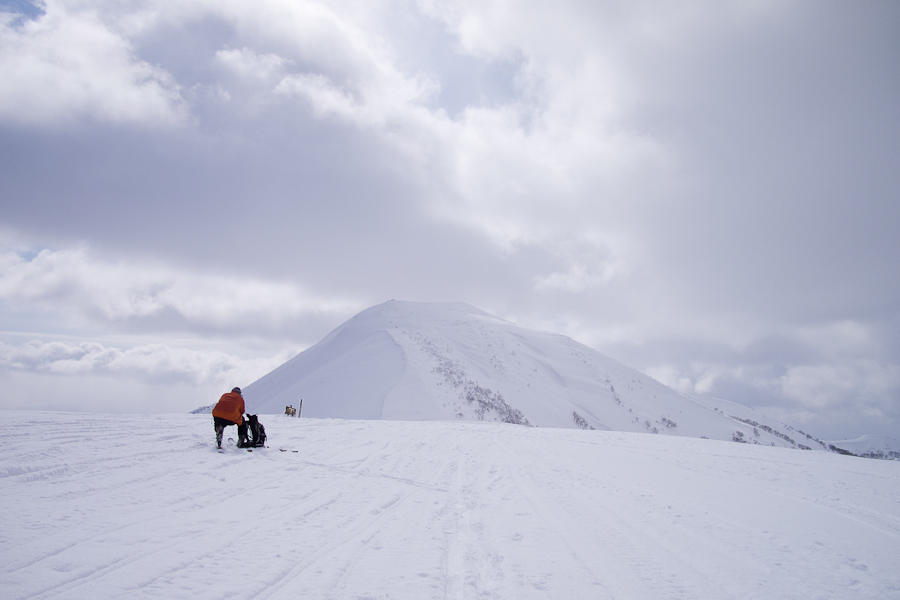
{"x": 132, "y": 506}
{"x": 451, "y": 361}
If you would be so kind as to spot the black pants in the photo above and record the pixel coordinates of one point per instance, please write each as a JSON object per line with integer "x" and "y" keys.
{"x": 220, "y": 424}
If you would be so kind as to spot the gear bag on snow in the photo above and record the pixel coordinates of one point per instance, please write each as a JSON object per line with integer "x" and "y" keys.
{"x": 257, "y": 434}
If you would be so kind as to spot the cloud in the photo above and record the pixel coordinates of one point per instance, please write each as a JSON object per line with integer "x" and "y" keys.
{"x": 75, "y": 284}
{"x": 247, "y": 63}
{"x": 834, "y": 388}
{"x": 150, "y": 363}
{"x": 591, "y": 263}
{"x": 324, "y": 96}
{"x": 864, "y": 383}
{"x": 671, "y": 376}
{"x": 522, "y": 171}
{"x": 67, "y": 64}
{"x": 527, "y": 170}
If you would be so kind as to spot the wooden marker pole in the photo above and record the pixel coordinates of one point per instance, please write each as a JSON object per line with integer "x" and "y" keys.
{"x": 300, "y": 410}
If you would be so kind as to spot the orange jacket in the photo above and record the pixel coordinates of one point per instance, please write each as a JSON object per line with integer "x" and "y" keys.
{"x": 230, "y": 406}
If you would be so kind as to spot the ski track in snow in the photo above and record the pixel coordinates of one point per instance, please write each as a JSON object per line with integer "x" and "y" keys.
{"x": 136, "y": 506}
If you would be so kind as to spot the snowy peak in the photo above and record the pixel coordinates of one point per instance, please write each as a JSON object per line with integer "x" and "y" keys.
{"x": 451, "y": 361}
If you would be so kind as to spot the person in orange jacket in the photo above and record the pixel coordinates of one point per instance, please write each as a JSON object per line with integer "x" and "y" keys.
{"x": 229, "y": 410}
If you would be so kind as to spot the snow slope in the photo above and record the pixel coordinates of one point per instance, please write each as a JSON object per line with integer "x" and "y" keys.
{"x": 433, "y": 361}
{"x": 131, "y": 506}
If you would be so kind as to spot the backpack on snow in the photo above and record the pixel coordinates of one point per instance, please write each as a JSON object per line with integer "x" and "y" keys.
{"x": 257, "y": 437}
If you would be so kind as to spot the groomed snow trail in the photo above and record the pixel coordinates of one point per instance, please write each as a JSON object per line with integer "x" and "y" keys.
{"x": 125, "y": 506}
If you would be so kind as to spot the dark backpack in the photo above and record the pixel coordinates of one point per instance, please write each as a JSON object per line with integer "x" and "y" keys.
{"x": 257, "y": 432}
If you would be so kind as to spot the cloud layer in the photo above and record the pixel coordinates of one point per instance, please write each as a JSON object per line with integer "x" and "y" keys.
{"x": 704, "y": 190}
{"x": 67, "y": 64}
{"x": 155, "y": 363}
{"x": 84, "y": 289}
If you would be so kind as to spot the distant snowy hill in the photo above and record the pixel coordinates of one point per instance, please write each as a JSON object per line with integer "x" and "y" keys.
{"x": 436, "y": 361}
{"x": 871, "y": 446}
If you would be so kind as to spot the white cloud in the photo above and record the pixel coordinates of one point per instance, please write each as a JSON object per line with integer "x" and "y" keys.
{"x": 529, "y": 170}
{"x": 72, "y": 283}
{"x": 247, "y": 63}
{"x": 700, "y": 379}
{"x": 324, "y": 96}
{"x": 524, "y": 171}
{"x": 672, "y": 377}
{"x": 152, "y": 362}
{"x": 69, "y": 64}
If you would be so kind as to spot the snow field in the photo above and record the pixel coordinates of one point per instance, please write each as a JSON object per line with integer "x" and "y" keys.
{"x": 138, "y": 506}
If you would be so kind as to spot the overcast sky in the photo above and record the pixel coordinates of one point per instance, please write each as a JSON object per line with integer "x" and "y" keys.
{"x": 709, "y": 191}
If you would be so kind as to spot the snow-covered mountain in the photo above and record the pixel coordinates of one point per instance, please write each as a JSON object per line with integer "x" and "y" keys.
{"x": 451, "y": 361}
